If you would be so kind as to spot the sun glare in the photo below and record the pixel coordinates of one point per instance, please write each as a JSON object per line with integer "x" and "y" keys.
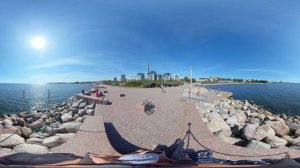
{"x": 38, "y": 42}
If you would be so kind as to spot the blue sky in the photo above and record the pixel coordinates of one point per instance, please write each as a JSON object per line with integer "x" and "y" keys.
{"x": 94, "y": 40}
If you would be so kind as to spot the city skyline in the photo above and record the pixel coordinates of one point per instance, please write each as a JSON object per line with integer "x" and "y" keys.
{"x": 52, "y": 42}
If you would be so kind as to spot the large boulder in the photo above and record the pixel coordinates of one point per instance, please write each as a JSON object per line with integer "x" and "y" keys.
{"x": 36, "y": 125}
{"x": 37, "y": 141}
{"x": 257, "y": 145}
{"x": 82, "y": 105}
{"x": 75, "y": 105}
{"x": 69, "y": 127}
{"x": 10, "y": 129}
{"x": 81, "y": 112}
{"x": 81, "y": 119}
{"x": 7, "y": 122}
{"x": 293, "y": 126}
{"x": 217, "y": 124}
{"x": 26, "y": 132}
{"x": 67, "y": 117}
{"x": 91, "y": 106}
{"x": 66, "y": 136}
{"x": 268, "y": 131}
{"x": 231, "y": 140}
{"x": 297, "y": 132}
{"x": 53, "y": 141}
{"x": 90, "y": 112}
{"x": 31, "y": 148}
{"x": 6, "y": 151}
{"x": 275, "y": 141}
{"x": 232, "y": 121}
{"x": 280, "y": 129}
{"x": 10, "y": 140}
{"x": 241, "y": 116}
{"x": 250, "y": 131}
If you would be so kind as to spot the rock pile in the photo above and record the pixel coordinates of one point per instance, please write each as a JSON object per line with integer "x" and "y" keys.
{"x": 39, "y": 131}
{"x": 249, "y": 125}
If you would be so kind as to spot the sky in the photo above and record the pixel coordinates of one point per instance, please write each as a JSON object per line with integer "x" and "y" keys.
{"x": 87, "y": 40}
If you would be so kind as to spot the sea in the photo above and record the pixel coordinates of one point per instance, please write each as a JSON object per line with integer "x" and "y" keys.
{"x": 30, "y": 97}
{"x": 278, "y": 98}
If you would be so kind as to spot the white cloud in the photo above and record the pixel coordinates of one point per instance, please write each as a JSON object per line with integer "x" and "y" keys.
{"x": 61, "y": 62}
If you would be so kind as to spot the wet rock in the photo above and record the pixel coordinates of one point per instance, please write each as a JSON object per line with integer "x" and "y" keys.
{"x": 69, "y": 127}
{"x": 31, "y": 148}
{"x": 67, "y": 117}
{"x": 37, "y": 141}
{"x": 257, "y": 145}
{"x": 53, "y": 141}
{"x": 275, "y": 141}
{"x": 250, "y": 132}
{"x": 217, "y": 124}
{"x": 26, "y": 132}
{"x": 10, "y": 140}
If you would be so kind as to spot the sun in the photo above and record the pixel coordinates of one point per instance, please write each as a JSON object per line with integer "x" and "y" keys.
{"x": 38, "y": 42}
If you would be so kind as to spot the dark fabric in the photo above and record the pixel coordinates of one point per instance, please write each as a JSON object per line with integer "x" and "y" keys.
{"x": 35, "y": 159}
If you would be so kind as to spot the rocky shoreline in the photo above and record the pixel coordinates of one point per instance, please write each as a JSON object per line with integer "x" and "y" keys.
{"x": 39, "y": 131}
{"x": 248, "y": 125}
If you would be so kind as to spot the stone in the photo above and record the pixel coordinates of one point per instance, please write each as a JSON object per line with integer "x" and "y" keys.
{"x": 241, "y": 116}
{"x": 36, "y": 125}
{"x": 275, "y": 141}
{"x": 297, "y": 132}
{"x": 261, "y": 117}
{"x": 232, "y": 121}
{"x": 10, "y": 129}
{"x": 7, "y": 122}
{"x": 37, "y": 141}
{"x": 75, "y": 105}
{"x": 232, "y": 112}
{"x": 31, "y": 148}
{"x": 10, "y": 140}
{"x": 257, "y": 145}
{"x": 289, "y": 139}
{"x": 5, "y": 152}
{"x": 39, "y": 135}
{"x": 269, "y": 117}
{"x": 295, "y": 147}
{"x": 81, "y": 112}
{"x": 82, "y": 105}
{"x": 20, "y": 122}
{"x": 250, "y": 132}
{"x": 254, "y": 114}
{"x": 75, "y": 116}
{"x": 231, "y": 140}
{"x": 69, "y": 127}
{"x": 51, "y": 130}
{"x": 280, "y": 129}
{"x": 90, "y": 112}
{"x": 26, "y": 132}
{"x": 268, "y": 131}
{"x": 66, "y": 136}
{"x": 277, "y": 118}
{"x": 224, "y": 116}
{"x": 293, "y": 126}
{"x": 217, "y": 124}
{"x": 223, "y": 133}
{"x": 81, "y": 119}
{"x": 53, "y": 141}
{"x": 67, "y": 117}
{"x": 253, "y": 120}
{"x": 91, "y": 106}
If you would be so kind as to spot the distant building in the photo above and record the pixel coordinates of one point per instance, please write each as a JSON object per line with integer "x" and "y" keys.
{"x": 202, "y": 80}
{"x": 176, "y": 77}
{"x": 152, "y": 75}
{"x": 159, "y": 77}
{"x": 115, "y": 79}
{"x": 140, "y": 76}
{"x": 132, "y": 78}
{"x": 123, "y": 78}
{"x": 167, "y": 76}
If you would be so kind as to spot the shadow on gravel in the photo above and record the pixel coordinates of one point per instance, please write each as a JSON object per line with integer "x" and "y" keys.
{"x": 120, "y": 144}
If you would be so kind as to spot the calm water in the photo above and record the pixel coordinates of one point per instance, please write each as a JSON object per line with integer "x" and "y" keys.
{"x": 279, "y": 98}
{"x": 36, "y": 95}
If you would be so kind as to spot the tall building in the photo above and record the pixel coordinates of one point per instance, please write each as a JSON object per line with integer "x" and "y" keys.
{"x": 115, "y": 79}
{"x": 123, "y": 78}
{"x": 140, "y": 76}
{"x": 176, "y": 76}
{"x": 148, "y": 72}
{"x": 159, "y": 77}
{"x": 167, "y": 76}
{"x": 152, "y": 75}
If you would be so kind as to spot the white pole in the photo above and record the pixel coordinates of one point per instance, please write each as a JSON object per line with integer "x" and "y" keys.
{"x": 191, "y": 82}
